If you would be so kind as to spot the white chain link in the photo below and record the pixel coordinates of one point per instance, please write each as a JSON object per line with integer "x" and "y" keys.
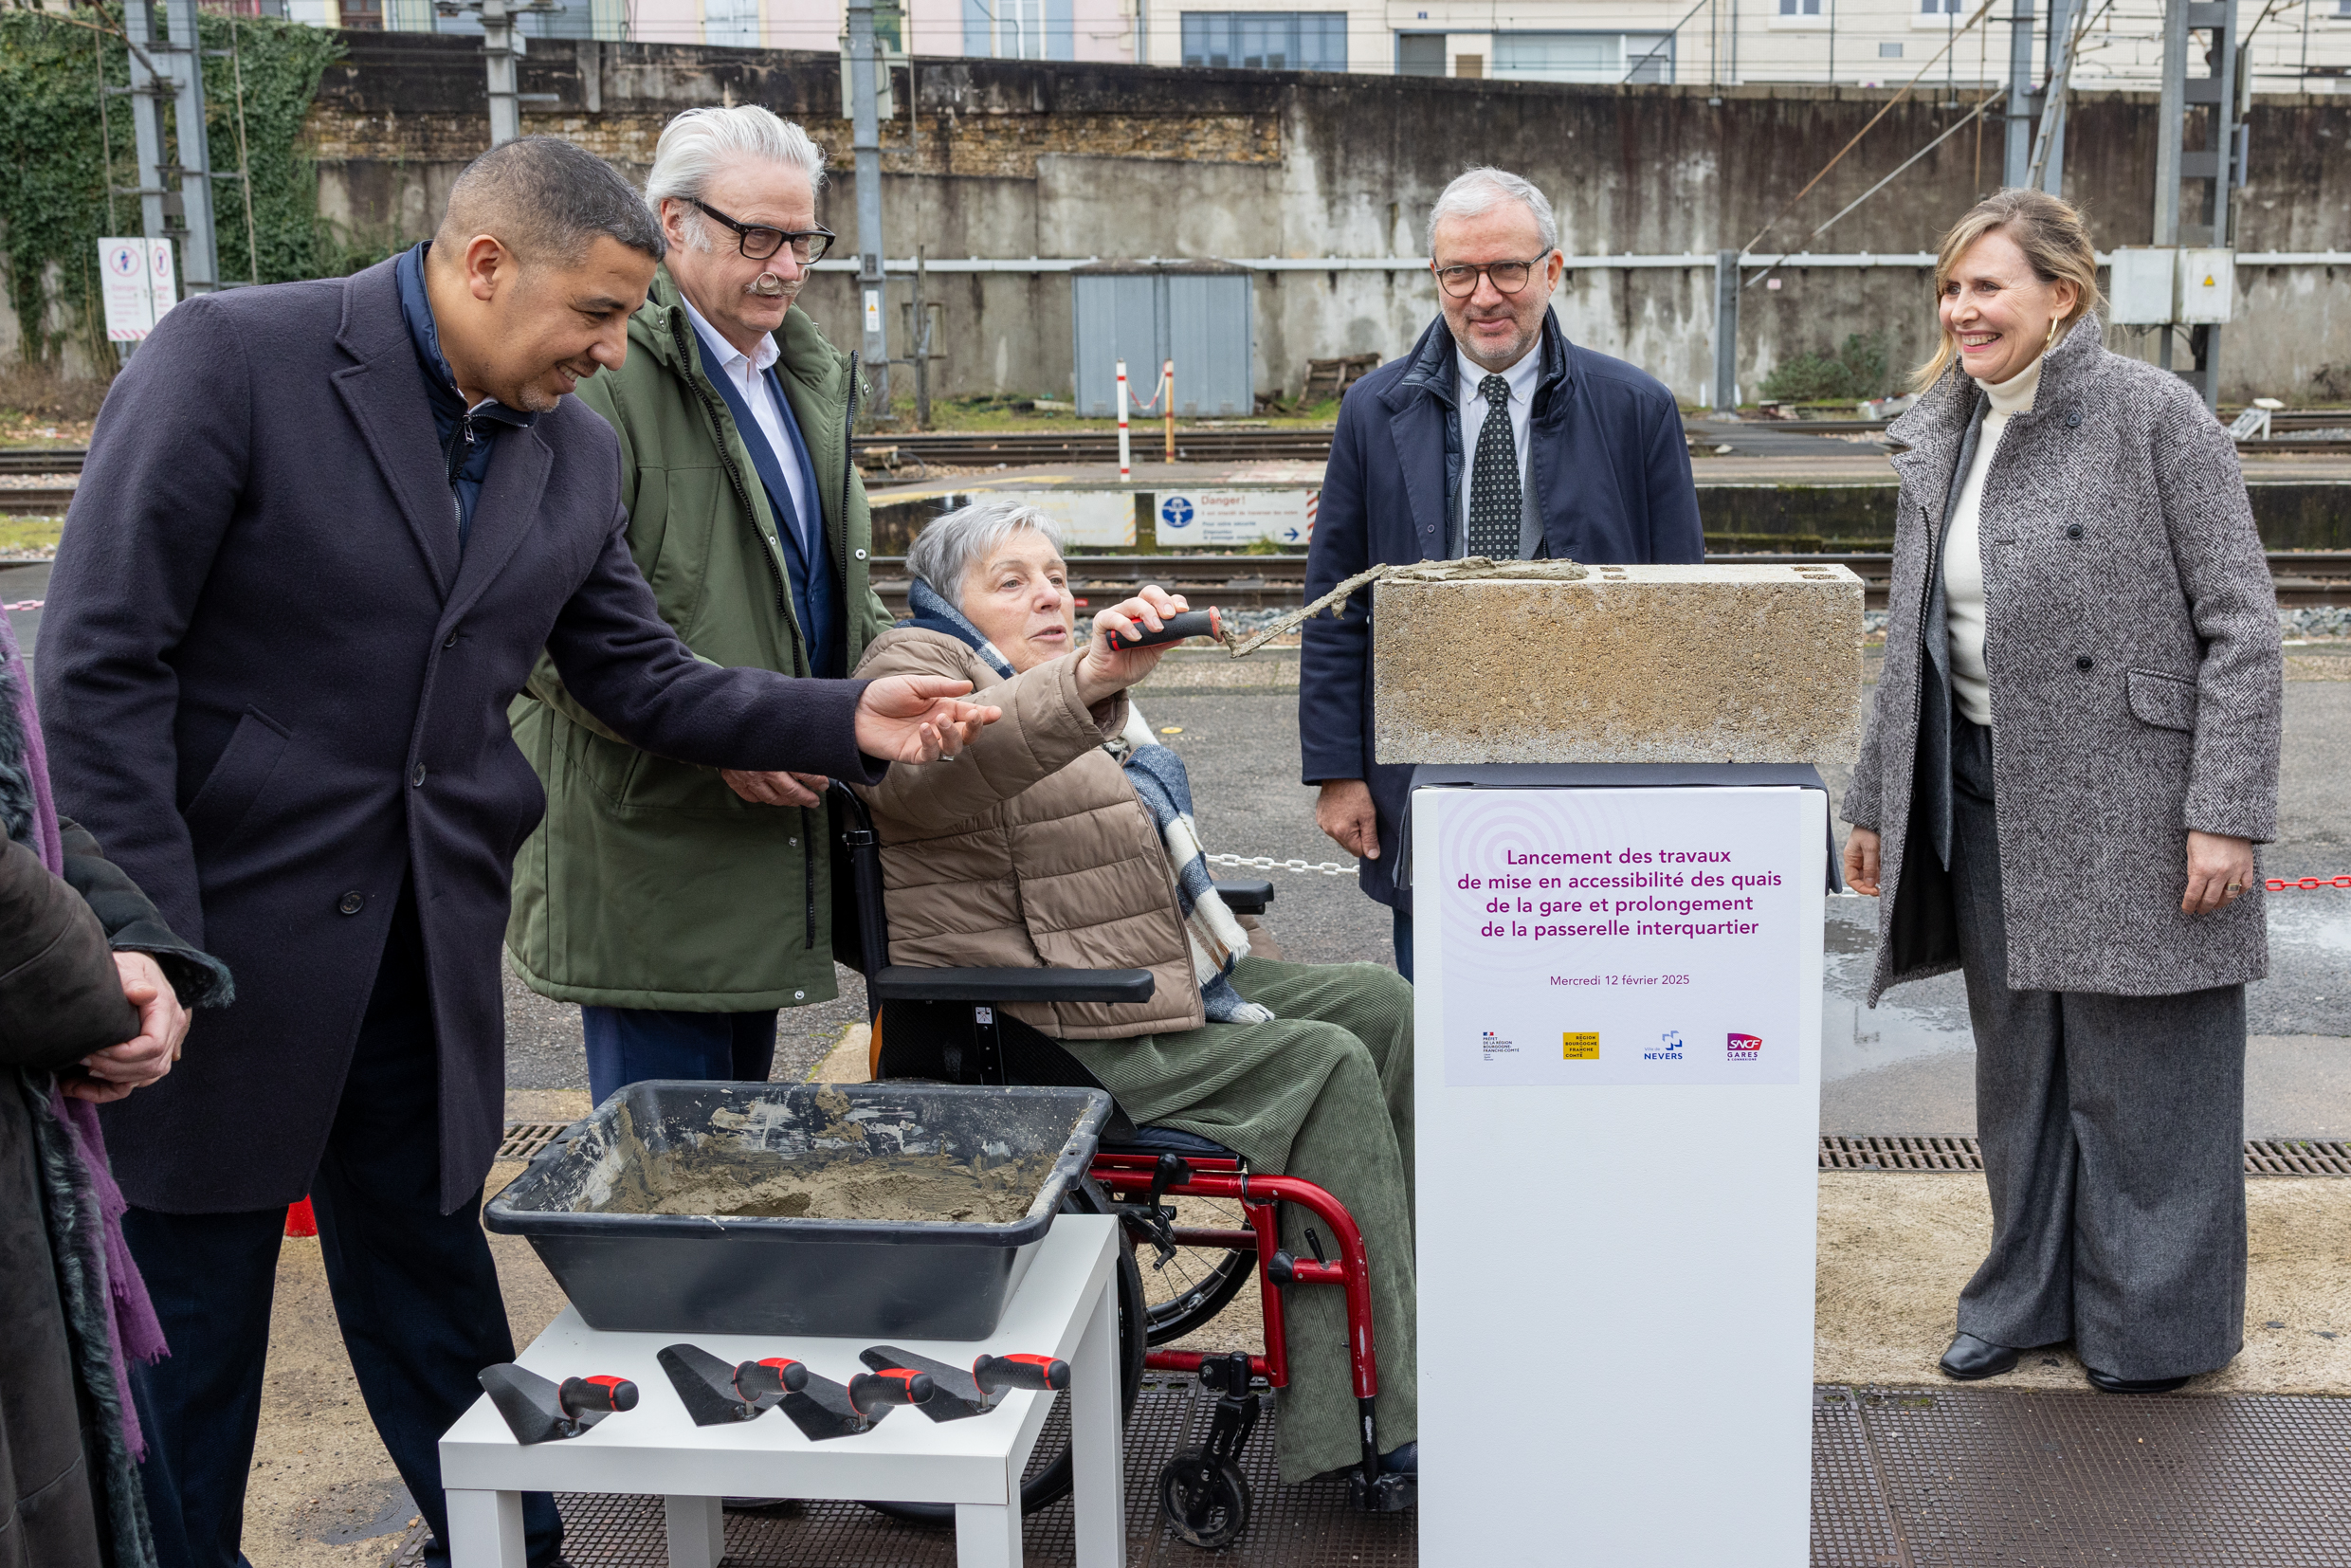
{"x": 1267, "y": 862}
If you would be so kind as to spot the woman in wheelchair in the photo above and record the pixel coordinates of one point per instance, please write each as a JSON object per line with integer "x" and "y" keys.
{"x": 1063, "y": 837}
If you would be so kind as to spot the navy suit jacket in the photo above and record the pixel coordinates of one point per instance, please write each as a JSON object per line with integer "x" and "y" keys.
{"x": 275, "y": 688}
{"x": 1610, "y": 475}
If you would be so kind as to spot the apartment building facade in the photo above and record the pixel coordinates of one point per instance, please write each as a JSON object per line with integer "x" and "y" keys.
{"x": 1957, "y": 45}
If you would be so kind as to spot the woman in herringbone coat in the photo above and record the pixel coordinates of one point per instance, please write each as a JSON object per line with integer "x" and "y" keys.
{"x": 2072, "y": 753}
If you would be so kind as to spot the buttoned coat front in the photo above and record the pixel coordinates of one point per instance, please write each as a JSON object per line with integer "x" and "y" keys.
{"x": 274, "y": 682}
{"x": 2131, "y": 638}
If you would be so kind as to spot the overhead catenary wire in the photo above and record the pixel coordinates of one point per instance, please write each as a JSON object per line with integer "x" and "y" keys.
{"x": 1890, "y": 103}
{"x": 2053, "y": 104}
{"x": 245, "y": 170}
{"x": 1976, "y": 115}
{"x": 1671, "y": 33}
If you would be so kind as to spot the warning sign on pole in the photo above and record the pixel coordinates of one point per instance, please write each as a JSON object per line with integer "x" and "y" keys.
{"x": 140, "y": 286}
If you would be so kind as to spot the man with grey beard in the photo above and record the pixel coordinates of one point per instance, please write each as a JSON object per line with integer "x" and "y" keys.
{"x": 682, "y": 906}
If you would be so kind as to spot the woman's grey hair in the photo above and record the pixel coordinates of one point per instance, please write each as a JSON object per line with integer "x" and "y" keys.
{"x": 944, "y": 553}
{"x": 694, "y": 145}
{"x": 1480, "y": 191}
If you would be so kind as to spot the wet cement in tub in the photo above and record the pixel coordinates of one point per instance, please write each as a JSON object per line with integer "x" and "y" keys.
{"x": 727, "y": 1181}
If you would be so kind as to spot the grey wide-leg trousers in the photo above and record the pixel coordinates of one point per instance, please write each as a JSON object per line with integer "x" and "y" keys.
{"x": 2112, "y": 1131}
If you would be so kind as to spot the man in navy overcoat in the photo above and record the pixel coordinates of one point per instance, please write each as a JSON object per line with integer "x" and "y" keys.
{"x": 322, "y": 534}
{"x": 1497, "y": 437}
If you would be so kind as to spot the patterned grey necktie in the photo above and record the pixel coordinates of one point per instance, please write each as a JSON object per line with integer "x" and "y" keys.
{"x": 1493, "y": 528}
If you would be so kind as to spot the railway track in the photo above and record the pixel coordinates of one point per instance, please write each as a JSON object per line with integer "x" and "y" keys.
{"x": 2303, "y": 578}
{"x": 1212, "y": 443}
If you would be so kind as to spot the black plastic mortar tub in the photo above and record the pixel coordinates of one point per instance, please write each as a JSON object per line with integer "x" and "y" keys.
{"x": 684, "y": 1275}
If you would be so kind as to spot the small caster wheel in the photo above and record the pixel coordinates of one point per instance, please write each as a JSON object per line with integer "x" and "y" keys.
{"x": 1208, "y": 1501}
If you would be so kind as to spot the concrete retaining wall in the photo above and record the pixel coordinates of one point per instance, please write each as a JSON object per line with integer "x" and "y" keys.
{"x": 1019, "y": 159}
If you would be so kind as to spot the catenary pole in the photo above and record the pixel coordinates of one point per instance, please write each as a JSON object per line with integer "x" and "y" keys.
{"x": 866, "y": 135}
{"x": 2017, "y": 156}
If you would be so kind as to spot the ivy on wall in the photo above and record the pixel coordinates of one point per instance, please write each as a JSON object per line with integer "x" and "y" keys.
{"x": 53, "y": 193}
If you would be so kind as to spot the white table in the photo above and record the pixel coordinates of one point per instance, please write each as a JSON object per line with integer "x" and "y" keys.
{"x": 1067, "y": 1306}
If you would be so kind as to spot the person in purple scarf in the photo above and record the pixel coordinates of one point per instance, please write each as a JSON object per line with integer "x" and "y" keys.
{"x": 93, "y": 992}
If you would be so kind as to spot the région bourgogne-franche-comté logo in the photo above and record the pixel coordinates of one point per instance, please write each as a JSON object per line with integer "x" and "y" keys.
{"x": 1745, "y": 1047}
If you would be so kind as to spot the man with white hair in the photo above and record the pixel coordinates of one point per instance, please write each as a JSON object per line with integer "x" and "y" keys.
{"x": 682, "y": 906}
{"x": 1495, "y": 436}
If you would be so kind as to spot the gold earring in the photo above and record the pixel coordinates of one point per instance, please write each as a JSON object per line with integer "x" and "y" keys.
{"x": 2053, "y": 335}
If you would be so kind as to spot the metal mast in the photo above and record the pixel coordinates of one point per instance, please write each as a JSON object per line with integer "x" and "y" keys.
{"x": 866, "y": 138}
{"x": 168, "y": 65}
{"x": 503, "y": 45}
{"x": 2196, "y": 168}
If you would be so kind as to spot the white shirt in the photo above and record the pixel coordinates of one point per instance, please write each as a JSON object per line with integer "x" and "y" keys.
{"x": 1522, "y": 377}
{"x": 749, "y": 374}
{"x": 1963, "y": 548}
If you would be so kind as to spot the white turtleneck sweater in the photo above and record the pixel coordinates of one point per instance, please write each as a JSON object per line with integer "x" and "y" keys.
{"x": 1963, "y": 548}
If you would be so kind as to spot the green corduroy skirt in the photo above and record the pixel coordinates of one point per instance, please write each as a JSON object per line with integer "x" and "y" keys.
{"x": 1322, "y": 1092}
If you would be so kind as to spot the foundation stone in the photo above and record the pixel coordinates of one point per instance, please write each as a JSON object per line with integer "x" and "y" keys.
{"x": 1629, "y": 664}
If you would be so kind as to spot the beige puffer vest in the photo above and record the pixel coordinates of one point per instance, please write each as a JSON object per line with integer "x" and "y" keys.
{"x": 1031, "y": 851}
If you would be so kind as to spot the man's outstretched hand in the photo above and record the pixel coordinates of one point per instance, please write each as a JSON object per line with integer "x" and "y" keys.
{"x": 917, "y": 718}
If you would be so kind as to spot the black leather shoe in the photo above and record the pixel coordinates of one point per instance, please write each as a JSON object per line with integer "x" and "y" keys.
{"x": 1970, "y": 1358}
{"x": 2107, "y": 1382}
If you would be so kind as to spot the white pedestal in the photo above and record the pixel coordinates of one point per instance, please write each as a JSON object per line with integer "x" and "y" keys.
{"x": 1618, "y": 1111}
{"x": 1067, "y": 1306}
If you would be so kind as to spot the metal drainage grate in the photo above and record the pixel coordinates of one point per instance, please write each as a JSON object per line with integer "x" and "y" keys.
{"x": 2297, "y": 1157}
{"x": 2264, "y": 1157}
{"x": 525, "y": 1139}
{"x": 1900, "y": 1154}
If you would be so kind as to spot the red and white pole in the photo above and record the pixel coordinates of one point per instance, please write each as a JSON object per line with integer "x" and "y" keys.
{"x": 1167, "y": 387}
{"x": 1127, "y": 470}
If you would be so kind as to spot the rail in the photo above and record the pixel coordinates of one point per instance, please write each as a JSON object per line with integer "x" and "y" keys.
{"x": 1208, "y": 442}
{"x": 2303, "y": 578}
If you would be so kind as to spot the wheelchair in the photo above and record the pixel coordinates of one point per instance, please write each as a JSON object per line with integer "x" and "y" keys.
{"x": 948, "y": 1025}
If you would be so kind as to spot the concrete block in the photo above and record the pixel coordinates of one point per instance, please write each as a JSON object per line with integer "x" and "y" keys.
{"x": 1630, "y": 664}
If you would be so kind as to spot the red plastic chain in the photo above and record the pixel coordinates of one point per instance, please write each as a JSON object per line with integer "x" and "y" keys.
{"x": 2281, "y": 884}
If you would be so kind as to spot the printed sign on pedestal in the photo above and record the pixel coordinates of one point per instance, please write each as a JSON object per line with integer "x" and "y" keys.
{"x": 1616, "y": 936}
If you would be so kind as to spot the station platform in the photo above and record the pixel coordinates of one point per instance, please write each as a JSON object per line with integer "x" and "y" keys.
{"x": 1901, "y": 1478}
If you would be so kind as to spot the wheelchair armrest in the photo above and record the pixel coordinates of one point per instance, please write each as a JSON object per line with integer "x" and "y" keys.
{"x": 1246, "y": 897}
{"x": 898, "y": 982}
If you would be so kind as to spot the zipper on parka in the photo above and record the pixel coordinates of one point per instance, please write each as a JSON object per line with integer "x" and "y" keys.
{"x": 801, "y": 664}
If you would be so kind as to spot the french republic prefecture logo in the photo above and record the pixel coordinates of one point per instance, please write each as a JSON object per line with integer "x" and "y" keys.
{"x": 1745, "y": 1047}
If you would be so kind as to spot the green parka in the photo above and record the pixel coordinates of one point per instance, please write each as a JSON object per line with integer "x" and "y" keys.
{"x": 651, "y": 883}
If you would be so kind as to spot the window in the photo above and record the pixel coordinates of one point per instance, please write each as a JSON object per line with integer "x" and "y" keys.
{"x": 1013, "y": 29}
{"x": 1938, "y": 8}
{"x": 734, "y": 23}
{"x": 1268, "y": 40}
{"x": 1805, "y": 7}
{"x": 1890, "y": 51}
{"x": 1584, "y": 56}
{"x": 1423, "y": 53}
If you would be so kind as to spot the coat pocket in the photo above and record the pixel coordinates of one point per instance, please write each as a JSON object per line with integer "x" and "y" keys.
{"x": 236, "y": 781}
{"x": 2167, "y": 702}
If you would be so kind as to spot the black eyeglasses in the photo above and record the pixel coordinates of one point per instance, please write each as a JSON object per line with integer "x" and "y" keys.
{"x": 758, "y": 241}
{"x": 1509, "y": 277}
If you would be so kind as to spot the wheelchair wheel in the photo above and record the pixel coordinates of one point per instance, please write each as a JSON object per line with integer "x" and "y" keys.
{"x": 1198, "y": 1282}
{"x": 1208, "y": 1501}
{"x": 1048, "y": 1484}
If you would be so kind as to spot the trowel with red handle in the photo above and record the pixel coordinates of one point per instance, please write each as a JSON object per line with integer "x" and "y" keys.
{"x": 537, "y": 1411}
{"x": 961, "y": 1394}
{"x": 717, "y": 1393}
